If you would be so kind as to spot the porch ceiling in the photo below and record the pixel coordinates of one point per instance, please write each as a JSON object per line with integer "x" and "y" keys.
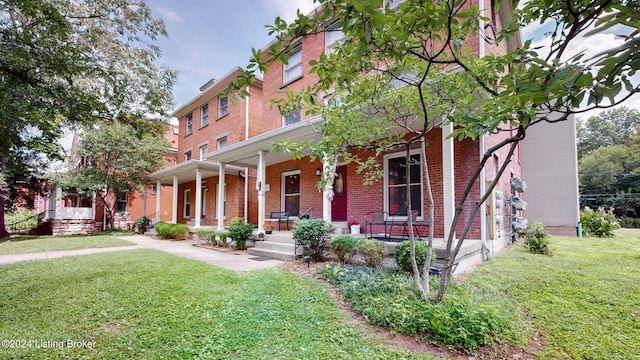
{"x": 186, "y": 171}
{"x": 245, "y": 153}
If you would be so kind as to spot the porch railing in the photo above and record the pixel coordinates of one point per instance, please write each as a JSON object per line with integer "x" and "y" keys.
{"x": 28, "y": 223}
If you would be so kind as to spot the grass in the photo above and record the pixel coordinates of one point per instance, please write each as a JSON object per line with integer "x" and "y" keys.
{"x": 23, "y": 245}
{"x": 584, "y": 299}
{"x": 148, "y": 304}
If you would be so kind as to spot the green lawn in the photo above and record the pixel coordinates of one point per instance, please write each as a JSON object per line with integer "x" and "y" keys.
{"x": 148, "y": 304}
{"x": 585, "y": 299}
{"x": 20, "y": 245}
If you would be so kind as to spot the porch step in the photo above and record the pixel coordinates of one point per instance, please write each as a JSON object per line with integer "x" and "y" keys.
{"x": 275, "y": 250}
{"x": 285, "y": 237}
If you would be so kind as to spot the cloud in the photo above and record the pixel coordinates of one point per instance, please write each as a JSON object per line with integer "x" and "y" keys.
{"x": 287, "y": 9}
{"x": 168, "y": 14}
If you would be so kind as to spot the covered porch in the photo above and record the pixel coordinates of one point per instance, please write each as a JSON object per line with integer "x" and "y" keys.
{"x": 199, "y": 175}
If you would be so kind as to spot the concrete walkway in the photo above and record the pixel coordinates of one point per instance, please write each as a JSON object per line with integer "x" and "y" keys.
{"x": 180, "y": 248}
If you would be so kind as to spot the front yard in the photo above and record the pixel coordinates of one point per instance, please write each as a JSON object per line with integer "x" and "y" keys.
{"x": 32, "y": 244}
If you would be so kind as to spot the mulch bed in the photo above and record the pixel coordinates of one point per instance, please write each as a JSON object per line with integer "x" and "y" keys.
{"x": 228, "y": 250}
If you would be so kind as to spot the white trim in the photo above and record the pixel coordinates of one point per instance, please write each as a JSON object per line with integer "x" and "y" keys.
{"x": 202, "y": 123}
{"x": 220, "y": 114}
{"x": 385, "y": 189}
{"x": 286, "y": 68}
{"x": 184, "y": 204}
{"x": 282, "y": 189}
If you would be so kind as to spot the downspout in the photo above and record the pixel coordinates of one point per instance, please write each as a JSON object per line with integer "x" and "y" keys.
{"x": 246, "y": 169}
{"x": 483, "y": 187}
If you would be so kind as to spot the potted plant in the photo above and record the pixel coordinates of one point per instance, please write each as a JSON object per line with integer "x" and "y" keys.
{"x": 268, "y": 228}
{"x": 354, "y": 225}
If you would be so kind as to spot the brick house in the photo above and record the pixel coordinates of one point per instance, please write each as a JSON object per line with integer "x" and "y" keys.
{"x": 260, "y": 181}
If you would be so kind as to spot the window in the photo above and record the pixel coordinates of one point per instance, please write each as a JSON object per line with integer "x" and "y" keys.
{"x": 223, "y": 106}
{"x": 203, "y": 151}
{"x": 121, "y": 202}
{"x": 222, "y": 143}
{"x": 331, "y": 38}
{"x": 292, "y": 117}
{"x": 204, "y": 115}
{"x": 186, "y": 212}
{"x": 154, "y": 189}
{"x": 189, "y": 127}
{"x": 74, "y": 200}
{"x": 395, "y": 181}
{"x": 293, "y": 69}
{"x": 394, "y": 3}
{"x": 187, "y": 156}
{"x": 291, "y": 192}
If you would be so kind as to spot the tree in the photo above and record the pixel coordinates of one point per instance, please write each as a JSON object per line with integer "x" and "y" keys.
{"x": 611, "y": 127}
{"x": 512, "y": 91}
{"x": 118, "y": 157}
{"x": 72, "y": 63}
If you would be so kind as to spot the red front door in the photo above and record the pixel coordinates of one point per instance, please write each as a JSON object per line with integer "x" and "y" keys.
{"x": 339, "y": 203}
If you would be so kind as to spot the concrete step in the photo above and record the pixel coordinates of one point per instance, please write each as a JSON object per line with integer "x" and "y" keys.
{"x": 280, "y": 237}
{"x": 277, "y": 246}
{"x": 272, "y": 254}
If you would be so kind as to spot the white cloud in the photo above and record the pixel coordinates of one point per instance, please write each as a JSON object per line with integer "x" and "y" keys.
{"x": 287, "y": 9}
{"x": 168, "y": 14}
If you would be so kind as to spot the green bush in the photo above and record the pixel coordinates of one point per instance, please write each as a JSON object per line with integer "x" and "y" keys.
{"x": 240, "y": 232}
{"x": 344, "y": 246}
{"x": 629, "y": 222}
{"x": 23, "y": 219}
{"x": 599, "y": 223}
{"x": 171, "y": 231}
{"x": 536, "y": 239}
{"x": 372, "y": 250}
{"x": 389, "y": 299}
{"x": 141, "y": 224}
{"x": 312, "y": 234}
{"x": 403, "y": 255}
{"x": 206, "y": 236}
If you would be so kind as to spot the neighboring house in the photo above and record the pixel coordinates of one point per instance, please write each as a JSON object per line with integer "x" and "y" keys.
{"x": 238, "y": 152}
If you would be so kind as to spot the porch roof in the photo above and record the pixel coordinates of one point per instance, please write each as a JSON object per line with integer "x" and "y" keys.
{"x": 186, "y": 171}
{"x": 245, "y": 153}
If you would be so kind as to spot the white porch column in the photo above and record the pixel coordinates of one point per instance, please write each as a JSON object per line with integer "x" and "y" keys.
{"x": 260, "y": 186}
{"x": 158, "y": 188}
{"x": 220, "y": 196}
{"x": 328, "y": 168}
{"x": 448, "y": 188}
{"x": 174, "y": 211}
{"x": 198, "y": 197}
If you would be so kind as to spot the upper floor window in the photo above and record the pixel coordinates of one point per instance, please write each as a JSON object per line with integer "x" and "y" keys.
{"x": 189, "y": 127}
{"x": 203, "y": 151}
{"x": 223, "y": 106}
{"x": 222, "y": 143}
{"x": 204, "y": 115}
{"x": 187, "y": 156}
{"x": 292, "y": 117}
{"x": 293, "y": 69}
{"x": 332, "y": 38}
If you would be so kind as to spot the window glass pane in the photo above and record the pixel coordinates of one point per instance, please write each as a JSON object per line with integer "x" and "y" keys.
{"x": 415, "y": 176}
{"x": 292, "y": 117}
{"x": 187, "y": 156}
{"x": 292, "y": 204}
{"x": 203, "y": 151}
{"x": 294, "y": 67}
{"x": 396, "y": 201}
{"x": 189, "y": 127}
{"x": 222, "y": 143}
{"x": 397, "y": 174}
{"x": 224, "y": 104}
{"x": 205, "y": 115}
{"x": 292, "y": 184}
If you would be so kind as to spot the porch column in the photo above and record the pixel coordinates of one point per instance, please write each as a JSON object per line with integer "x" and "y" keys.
{"x": 448, "y": 188}
{"x": 144, "y": 200}
{"x": 158, "y": 188}
{"x": 328, "y": 171}
{"x": 220, "y": 196}
{"x": 198, "y": 197}
{"x": 174, "y": 211}
{"x": 260, "y": 186}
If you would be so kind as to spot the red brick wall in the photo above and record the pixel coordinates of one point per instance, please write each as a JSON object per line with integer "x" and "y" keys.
{"x": 234, "y": 199}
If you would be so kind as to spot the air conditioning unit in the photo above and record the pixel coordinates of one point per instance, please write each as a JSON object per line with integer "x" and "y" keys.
{"x": 499, "y": 195}
{"x": 499, "y": 204}
{"x": 499, "y": 219}
{"x": 520, "y": 223}
{"x": 518, "y": 185}
{"x": 521, "y": 204}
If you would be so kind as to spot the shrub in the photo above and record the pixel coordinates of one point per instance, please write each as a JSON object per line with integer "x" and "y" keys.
{"x": 240, "y": 232}
{"x": 389, "y": 299}
{"x": 312, "y": 234}
{"x": 344, "y": 246}
{"x": 22, "y": 218}
{"x": 599, "y": 223}
{"x": 141, "y": 224}
{"x": 629, "y": 222}
{"x": 206, "y": 236}
{"x": 171, "y": 231}
{"x": 373, "y": 251}
{"x": 403, "y": 255}
{"x": 536, "y": 239}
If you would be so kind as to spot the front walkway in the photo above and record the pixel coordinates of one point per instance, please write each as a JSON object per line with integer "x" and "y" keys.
{"x": 179, "y": 248}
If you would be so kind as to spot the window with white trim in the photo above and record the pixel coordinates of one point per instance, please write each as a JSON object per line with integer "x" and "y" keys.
{"x": 291, "y": 118}
{"x": 189, "y": 125}
{"x": 204, "y": 115}
{"x": 223, "y": 106}
{"x": 222, "y": 143}
{"x": 203, "y": 151}
{"x": 187, "y": 156}
{"x": 186, "y": 211}
{"x": 395, "y": 184}
{"x": 332, "y": 37}
{"x": 293, "y": 68}
{"x": 291, "y": 192}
